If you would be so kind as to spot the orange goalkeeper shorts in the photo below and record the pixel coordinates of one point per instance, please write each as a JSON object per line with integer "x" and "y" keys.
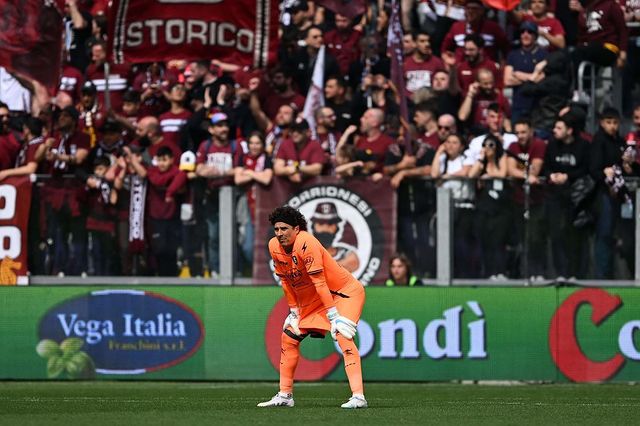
{"x": 349, "y": 303}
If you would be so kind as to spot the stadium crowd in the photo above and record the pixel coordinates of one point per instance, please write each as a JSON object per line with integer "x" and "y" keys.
{"x": 494, "y": 116}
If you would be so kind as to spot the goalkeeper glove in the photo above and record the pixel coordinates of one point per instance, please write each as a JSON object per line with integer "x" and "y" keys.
{"x": 340, "y": 324}
{"x": 292, "y": 320}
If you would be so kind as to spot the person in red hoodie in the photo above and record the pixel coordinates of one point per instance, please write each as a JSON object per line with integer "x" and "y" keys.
{"x": 602, "y": 33}
{"x": 165, "y": 182}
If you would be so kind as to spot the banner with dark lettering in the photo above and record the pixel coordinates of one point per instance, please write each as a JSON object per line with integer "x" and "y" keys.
{"x": 241, "y": 32}
{"x": 15, "y": 201}
{"x": 355, "y": 221}
{"x": 31, "y": 39}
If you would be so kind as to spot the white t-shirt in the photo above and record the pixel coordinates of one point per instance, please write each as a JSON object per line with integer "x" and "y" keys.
{"x": 13, "y": 93}
{"x": 461, "y": 189}
{"x": 472, "y": 153}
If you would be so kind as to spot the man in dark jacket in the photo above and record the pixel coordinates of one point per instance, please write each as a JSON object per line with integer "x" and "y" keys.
{"x": 606, "y": 151}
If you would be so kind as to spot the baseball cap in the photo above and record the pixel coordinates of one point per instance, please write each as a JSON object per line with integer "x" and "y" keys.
{"x": 89, "y": 88}
{"x": 530, "y": 26}
{"x": 219, "y": 117}
{"x": 72, "y": 111}
{"x": 188, "y": 161}
{"x": 300, "y": 125}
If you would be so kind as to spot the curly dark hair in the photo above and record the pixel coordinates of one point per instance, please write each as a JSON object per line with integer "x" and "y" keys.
{"x": 288, "y": 215}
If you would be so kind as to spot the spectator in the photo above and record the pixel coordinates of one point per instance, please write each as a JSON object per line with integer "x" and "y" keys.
{"x": 495, "y": 128}
{"x": 472, "y": 62}
{"x": 605, "y": 153}
{"x": 631, "y": 9}
{"x": 9, "y": 144}
{"x": 110, "y": 145}
{"x": 335, "y": 90}
{"x": 255, "y": 169}
{"x": 602, "y": 35}
{"x": 216, "y": 160}
{"x": 415, "y": 201}
{"x": 66, "y": 152}
{"x": 421, "y": 65}
{"x": 71, "y": 80}
{"x": 566, "y": 163}
{"x": 446, "y": 126}
{"x": 165, "y": 182}
{"x": 482, "y": 94}
{"x": 474, "y": 23}
{"x": 173, "y": 120}
{"x": 426, "y": 124}
{"x": 446, "y": 96}
{"x": 372, "y": 144}
{"x": 92, "y": 114}
{"x": 118, "y": 76}
{"x": 130, "y": 114}
{"x": 400, "y": 273}
{"x": 327, "y": 135}
{"x": 280, "y": 92}
{"x": 408, "y": 44}
{"x": 550, "y": 30}
{"x": 150, "y": 138}
{"x": 525, "y": 160}
{"x": 521, "y": 65}
{"x": 101, "y": 200}
{"x": 448, "y": 165}
{"x": 377, "y": 92}
{"x": 493, "y": 206}
{"x": 373, "y": 60}
{"x": 299, "y": 157}
{"x": 342, "y": 42}
{"x": 346, "y": 164}
{"x": 78, "y": 26}
{"x": 151, "y": 83}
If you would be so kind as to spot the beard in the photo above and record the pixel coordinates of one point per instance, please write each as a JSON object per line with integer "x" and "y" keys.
{"x": 325, "y": 238}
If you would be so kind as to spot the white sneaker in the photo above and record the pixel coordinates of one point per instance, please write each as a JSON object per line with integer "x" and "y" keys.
{"x": 279, "y": 400}
{"x": 355, "y": 402}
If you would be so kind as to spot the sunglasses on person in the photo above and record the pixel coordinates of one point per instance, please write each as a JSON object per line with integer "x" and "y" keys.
{"x": 529, "y": 31}
{"x": 489, "y": 145}
{"x": 444, "y": 127}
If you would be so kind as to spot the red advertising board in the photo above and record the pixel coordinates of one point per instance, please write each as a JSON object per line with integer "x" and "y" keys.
{"x": 15, "y": 201}
{"x": 241, "y": 32}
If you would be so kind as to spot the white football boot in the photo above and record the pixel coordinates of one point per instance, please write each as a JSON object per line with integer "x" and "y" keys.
{"x": 356, "y": 401}
{"x": 279, "y": 400}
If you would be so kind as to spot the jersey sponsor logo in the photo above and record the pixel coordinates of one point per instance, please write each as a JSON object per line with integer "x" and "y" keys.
{"x": 295, "y": 259}
{"x": 308, "y": 260}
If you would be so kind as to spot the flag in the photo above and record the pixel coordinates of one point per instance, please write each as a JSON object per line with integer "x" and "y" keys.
{"x": 31, "y": 39}
{"x": 348, "y": 8}
{"x": 242, "y": 32}
{"x": 394, "y": 51}
{"x": 506, "y": 5}
{"x": 315, "y": 95}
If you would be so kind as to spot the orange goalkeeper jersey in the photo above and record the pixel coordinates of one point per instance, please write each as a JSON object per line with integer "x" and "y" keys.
{"x": 309, "y": 274}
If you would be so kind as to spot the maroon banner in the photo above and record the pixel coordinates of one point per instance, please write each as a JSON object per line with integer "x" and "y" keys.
{"x": 355, "y": 221}
{"x": 348, "y": 8}
{"x": 31, "y": 39}
{"x": 242, "y": 32}
{"x": 395, "y": 52}
{"x": 15, "y": 201}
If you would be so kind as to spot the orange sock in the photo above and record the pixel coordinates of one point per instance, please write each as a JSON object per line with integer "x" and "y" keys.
{"x": 352, "y": 364}
{"x": 289, "y": 355}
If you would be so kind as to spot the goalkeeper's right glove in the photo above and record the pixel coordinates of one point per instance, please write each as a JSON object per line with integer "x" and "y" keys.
{"x": 292, "y": 320}
{"x": 340, "y": 324}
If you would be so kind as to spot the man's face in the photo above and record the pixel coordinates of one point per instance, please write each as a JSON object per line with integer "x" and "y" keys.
{"x": 256, "y": 146}
{"x": 527, "y": 38}
{"x": 4, "y": 120}
{"x": 220, "y": 131}
{"x": 494, "y": 121}
{"x": 423, "y": 45}
{"x": 473, "y": 12}
{"x": 398, "y": 270}
{"x": 327, "y": 118}
{"x": 440, "y": 81}
{"x": 611, "y": 125}
{"x": 300, "y": 137}
{"x": 88, "y": 100}
{"x": 325, "y": 232}
{"x": 421, "y": 118}
{"x": 65, "y": 122}
{"x": 524, "y": 134}
{"x": 285, "y": 233}
{"x": 164, "y": 163}
{"x": 636, "y": 118}
{"x": 100, "y": 170}
{"x": 178, "y": 93}
{"x": 284, "y": 117}
{"x": 130, "y": 108}
{"x": 538, "y": 7}
{"x": 471, "y": 52}
{"x": 279, "y": 82}
{"x": 408, "y": 44}
{"x": 445, "y": 128}
{"x": 111, "y": 138}
{"x": 98, "y": 55}
{"x": 486, "y": 81}
{"x": 342, "y": 22}
{"x": 367, "y": 121}
{"x": 560, "y": 131}
{"x": 331, "y": 89}
{"x": 314, "y": 38}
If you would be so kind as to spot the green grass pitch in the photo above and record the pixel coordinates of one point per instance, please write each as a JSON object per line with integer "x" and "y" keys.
{"x": 172, "y": 403}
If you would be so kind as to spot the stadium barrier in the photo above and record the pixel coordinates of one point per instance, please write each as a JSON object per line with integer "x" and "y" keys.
{"x": 409, "y": 334}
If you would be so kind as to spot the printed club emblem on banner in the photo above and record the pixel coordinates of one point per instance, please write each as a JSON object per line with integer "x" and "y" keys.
{"x": 346, "y": 225}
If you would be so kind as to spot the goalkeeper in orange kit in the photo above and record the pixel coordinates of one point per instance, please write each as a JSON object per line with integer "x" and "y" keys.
{"x": 322, "y": 296}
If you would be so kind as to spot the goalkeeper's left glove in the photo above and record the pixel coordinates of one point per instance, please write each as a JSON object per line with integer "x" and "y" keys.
{"x": 292, "y": 320}
{"x": 340, "y": 324}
